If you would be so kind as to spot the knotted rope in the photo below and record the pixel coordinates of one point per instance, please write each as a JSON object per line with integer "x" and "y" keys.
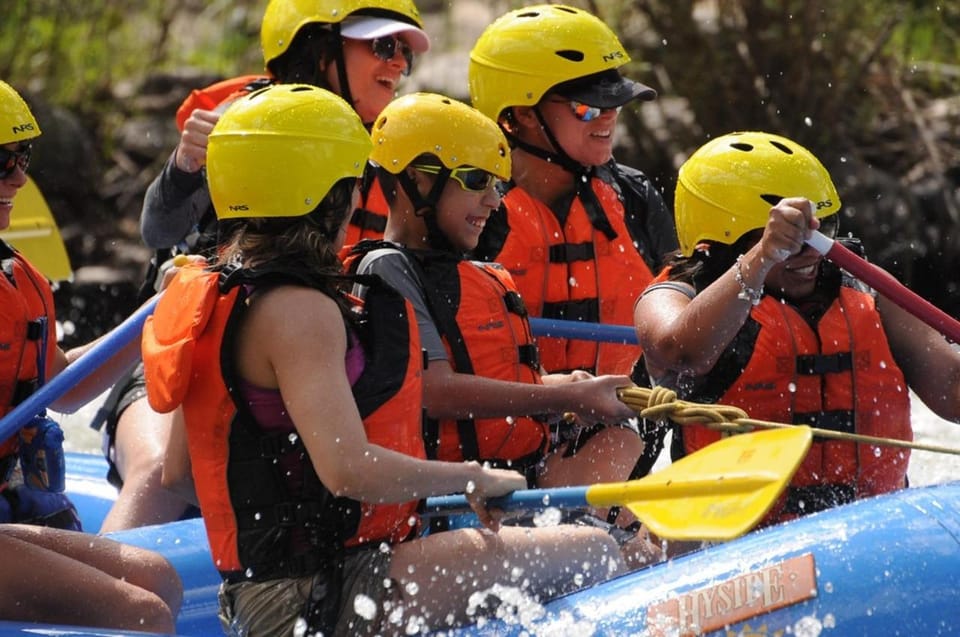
{"x": 660, "y": 404}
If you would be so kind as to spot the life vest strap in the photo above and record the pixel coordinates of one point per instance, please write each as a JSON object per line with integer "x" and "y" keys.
{"x": 842, "y": 420}
{"x": 820, "y": 364}
{"x": 368, "y": 220}
{"x": 282, "y": 514}
{"x": 514, "y": 303}
{"x": 571, "y": 252}
{"x": 530, "y": 355}
{"x": 586, "y": 310}
{"x": 22, "y": 390}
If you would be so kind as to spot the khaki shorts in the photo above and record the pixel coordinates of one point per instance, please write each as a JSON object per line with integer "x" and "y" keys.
{"x": 276, "y": 607}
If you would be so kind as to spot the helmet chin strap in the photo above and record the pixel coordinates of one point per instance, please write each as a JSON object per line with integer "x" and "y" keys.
{"x": 581, "y": 174}
{"x": 426, "y": 207}
{"x": 340, "y": 61}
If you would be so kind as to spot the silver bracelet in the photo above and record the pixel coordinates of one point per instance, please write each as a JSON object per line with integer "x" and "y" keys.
{"x": 746, "y": 293}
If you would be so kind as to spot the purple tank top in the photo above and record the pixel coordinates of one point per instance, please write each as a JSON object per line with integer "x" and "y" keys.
{"x": 266, "y": 404}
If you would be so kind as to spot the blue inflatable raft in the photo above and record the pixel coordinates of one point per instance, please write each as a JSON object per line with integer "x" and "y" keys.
{"x": 883, "y": 566}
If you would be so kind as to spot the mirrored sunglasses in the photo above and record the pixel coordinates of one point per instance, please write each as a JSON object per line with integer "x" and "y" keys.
{"x": 586, "y": 113}
{"x": 470, "y": 179}
{"x": 830, "y": 225}
{"x": 385, "y": 48}
{"x": 10, "y": 159}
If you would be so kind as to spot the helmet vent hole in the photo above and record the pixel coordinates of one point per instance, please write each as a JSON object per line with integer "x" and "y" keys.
{"x": 773, "y": 200}
{"x": 782, "y": 147}
{"x": 573, "y": 56}
{"x": 300, "y": 89}
{"x": 742, "y": 146}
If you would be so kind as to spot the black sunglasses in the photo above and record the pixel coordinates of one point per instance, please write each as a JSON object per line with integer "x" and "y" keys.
{"x": 10, "y": 159}
{"x": 470, "y": 179}
{"x": 386, "y": 47}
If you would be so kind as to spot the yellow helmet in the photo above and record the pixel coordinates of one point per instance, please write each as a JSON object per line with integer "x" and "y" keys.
{"x": 283, "y": 18}
{"x": 278, "y": 151}
{"x": 526, "y": 52}
{"x": 452, "y": 131}
{"x": 17, "y": 123}
{"x": 727, "y": 187}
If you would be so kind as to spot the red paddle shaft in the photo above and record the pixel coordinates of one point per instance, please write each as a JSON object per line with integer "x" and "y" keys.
{"x": 885, "y": 284}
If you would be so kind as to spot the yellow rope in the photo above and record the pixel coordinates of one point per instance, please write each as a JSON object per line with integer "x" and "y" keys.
{"x": 659, "y": 404}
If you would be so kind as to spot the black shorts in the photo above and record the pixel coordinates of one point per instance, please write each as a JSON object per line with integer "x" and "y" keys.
{"x": 129, "y": 389}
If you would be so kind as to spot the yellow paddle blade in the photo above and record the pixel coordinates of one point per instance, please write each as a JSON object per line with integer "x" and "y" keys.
{"x": 34, "y": 232}
{"x": 718, "y": 493}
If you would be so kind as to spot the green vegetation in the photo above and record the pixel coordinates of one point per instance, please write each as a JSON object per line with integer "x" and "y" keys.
{"x": 871, "y": 86}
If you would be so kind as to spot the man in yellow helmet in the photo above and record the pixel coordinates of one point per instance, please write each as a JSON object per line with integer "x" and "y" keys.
{"x": 581, "y": 234}
{"x": 54, "y": 574}
{"x": 359, "y": 49}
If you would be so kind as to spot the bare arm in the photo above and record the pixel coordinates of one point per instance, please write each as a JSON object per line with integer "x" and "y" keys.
{"x": 448, "y": 394}
{"x": 304, "y": 357}
{"x": 99, "y": 380}
{"x": 178, "y": 197}
{"x": 930, "y": 365}
{"x": 177, "y": 475}
{"x": 684, "y": 335}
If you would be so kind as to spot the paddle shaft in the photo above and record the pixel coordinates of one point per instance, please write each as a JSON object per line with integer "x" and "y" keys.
{"x": 602, "y": 495}
{"x": 884, "y": 283}
{"x": 76, "y": 371}
{"x": 558, "y": 328}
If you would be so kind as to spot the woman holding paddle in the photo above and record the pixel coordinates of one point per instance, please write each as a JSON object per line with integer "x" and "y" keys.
{"x": 748, "y": 314}
{"x": 52, "y": 574}
{"x": 302, "y": 434}
{"x": 360, "y": 49}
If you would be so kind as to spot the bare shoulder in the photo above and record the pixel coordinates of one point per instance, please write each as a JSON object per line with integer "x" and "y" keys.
{"x": 296, "y": 313}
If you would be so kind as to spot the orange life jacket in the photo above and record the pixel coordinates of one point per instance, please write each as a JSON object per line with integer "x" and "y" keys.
{"x": 250, "y": 508}
{"x": 211, "y": 97}
{"x": 369, "y": 219}
{"x": 26, "y": 303}
{"x": 571, "y": 270}
{"x": 841, "y": 376}
{"x": 483, "y": 322}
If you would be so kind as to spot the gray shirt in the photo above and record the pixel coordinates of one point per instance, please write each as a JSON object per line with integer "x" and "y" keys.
{"x": 394, "y": 267}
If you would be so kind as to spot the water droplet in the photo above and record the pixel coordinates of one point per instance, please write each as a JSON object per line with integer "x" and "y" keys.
{"x": 365, "y": 607}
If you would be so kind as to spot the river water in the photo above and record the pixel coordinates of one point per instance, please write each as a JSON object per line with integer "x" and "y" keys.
{"x": 925, "y": 467}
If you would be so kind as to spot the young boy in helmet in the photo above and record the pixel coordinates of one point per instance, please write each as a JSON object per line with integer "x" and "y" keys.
{"x": 302, "y": 429}
{"x": 52, "y": 574}
{"x": 486, "y": 396}
{"x": 359, "y": 49}
{"x": 747, "y": 314}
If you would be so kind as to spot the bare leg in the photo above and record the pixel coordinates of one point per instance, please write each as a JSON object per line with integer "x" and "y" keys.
{"x": 75, "y": 578}
{"x": 141, "y": 438}
{"x": 439, "y": 573}
{"x": 608, "y": 456}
